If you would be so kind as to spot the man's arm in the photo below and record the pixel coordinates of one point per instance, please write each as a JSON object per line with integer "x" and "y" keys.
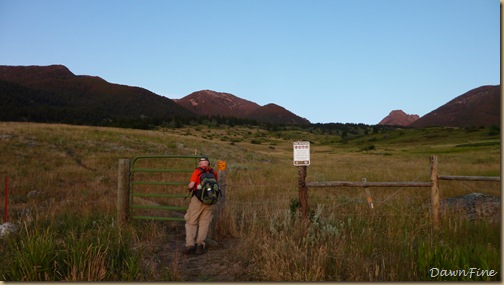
{"x": 191, "y": 185}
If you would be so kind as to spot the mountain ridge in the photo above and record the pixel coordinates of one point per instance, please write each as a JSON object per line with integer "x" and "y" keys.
{"x": 54, "y": 94}
{"x": 213, "y": 103}
{"x": 57, "y": 95}
{"x": 58, "y": 91}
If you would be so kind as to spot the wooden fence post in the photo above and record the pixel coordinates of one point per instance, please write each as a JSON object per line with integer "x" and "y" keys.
{"x": 435, "y": 192}
{"x": 6, "y": 210}
{"x": 303, "y": 191}
{"x": 368, "y": 194}
{"x": 123, "y": 191}
{"x": 216, "y": 228}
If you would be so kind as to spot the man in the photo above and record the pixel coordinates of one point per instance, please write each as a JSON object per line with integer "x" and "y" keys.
{"x": 199, "y": 215}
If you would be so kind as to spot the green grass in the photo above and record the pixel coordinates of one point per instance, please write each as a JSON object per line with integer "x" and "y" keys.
{"x": 68, "y": 229}
{"x": 72, "y": 249}
{"x": 450, "y": 250}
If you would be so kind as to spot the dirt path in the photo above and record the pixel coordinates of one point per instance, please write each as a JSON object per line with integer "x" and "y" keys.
{"x": 218, "y": 264}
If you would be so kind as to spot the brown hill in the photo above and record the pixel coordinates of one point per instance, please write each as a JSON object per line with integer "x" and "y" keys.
{"x": 277, "y": 114}
{"x": 398, "y": 118}
{"x": 208, "y": 102}
{"x": 27, "y": 75}
{"x": 477, "y": 107}
{"x": 211, "y": 103}
{"x": 54, "y": 94}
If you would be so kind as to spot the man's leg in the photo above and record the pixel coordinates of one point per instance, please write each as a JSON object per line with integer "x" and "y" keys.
{"x": 191, "y": 217}
{"x": 204, "y": 223}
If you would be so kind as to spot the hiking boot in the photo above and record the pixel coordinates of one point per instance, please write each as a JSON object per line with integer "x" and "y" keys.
{"x": 200, "y": 249}
{"x": 189, "y": 249}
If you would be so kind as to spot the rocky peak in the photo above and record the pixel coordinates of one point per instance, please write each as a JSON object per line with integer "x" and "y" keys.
{"x": 398, "y": 118}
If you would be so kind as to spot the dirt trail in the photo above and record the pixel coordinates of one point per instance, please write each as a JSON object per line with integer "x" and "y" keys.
{"x": 217, "y": 264}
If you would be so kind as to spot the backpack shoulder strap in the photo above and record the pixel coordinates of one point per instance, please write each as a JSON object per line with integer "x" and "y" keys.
{"x": 208, "y": 169}
{"x": 199, "y": 178}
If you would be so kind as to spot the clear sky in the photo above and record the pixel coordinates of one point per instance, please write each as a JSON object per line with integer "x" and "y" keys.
{"x": 341, "y": 61}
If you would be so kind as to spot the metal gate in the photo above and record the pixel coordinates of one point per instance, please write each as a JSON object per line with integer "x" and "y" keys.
{"x": 158, "y": 186}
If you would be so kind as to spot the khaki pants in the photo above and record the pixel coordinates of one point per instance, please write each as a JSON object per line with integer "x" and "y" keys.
{"x": 198, "y": 219}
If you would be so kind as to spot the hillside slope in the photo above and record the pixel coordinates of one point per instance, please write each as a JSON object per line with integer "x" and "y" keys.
{"x": 477, "y": 107}
{"x": 274, "y": 113}
{"x": 212, "y": 103}
{"x": 54, "y": 94}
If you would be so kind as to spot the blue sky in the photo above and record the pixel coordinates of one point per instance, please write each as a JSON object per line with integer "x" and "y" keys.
{"x": 328, "y": 61}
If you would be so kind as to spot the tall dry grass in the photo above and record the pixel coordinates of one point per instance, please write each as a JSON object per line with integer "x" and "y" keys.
{"x": 63, "y": 182}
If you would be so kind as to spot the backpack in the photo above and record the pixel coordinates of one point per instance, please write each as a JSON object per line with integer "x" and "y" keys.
{"x": 210, "y": 190}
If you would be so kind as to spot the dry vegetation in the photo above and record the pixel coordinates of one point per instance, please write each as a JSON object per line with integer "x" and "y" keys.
{"x": 63, "y": 183}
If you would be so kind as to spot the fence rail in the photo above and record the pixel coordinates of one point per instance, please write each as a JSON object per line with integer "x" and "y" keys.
{"x": 137, "y": 182}
{"x": 469, "y": 178}
{"x": 368, "y": 184}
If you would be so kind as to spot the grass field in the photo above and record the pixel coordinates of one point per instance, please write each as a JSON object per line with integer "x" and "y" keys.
{"x": 63, "y": 185}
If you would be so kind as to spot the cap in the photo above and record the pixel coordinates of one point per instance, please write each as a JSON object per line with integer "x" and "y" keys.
{"x": 204, "y": 158}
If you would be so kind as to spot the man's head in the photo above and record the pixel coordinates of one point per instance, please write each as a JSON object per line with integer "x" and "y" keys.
{"x": 203, "y": 161}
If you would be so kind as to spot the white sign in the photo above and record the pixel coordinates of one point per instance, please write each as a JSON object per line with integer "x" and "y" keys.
{"x": 301, "y": 153}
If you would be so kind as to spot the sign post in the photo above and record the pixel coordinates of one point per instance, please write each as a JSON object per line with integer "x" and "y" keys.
{"x": 6, "y": 214}
{"x": 302, "y": 160}
{"x": 217, "y": 228}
